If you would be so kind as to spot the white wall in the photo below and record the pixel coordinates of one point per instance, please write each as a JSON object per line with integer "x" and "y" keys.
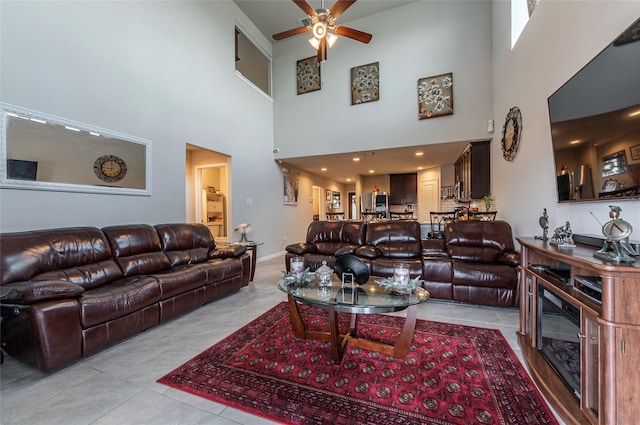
{"x": 163, "y": 71}
{"x": 560, "y": 38}
{"x": 422, "y": 39}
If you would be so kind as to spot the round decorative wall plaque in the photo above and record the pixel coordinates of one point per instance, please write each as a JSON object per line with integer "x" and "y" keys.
{"x": 110, "y": 168}
{"x": 511, "y": 134}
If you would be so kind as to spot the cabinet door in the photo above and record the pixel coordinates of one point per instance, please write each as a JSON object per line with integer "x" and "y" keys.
{"x": 396, "y": 185}
{"x": 404, "y": 189}
{"x": 411, "y": 189}
{"x": 590, "y": 367}
{"x": 627, "y": 377}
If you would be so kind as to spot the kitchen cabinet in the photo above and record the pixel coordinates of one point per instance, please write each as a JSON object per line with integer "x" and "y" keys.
{"x": 605, "y": 363}
{"x": 404, "y": 189}
{"x": 473, "y": 171}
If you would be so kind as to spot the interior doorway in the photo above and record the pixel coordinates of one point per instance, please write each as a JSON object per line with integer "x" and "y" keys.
{"x": 317, "y": 201}
{"x": 353, "y": 208}
{"x": 428, "y": 199}
{"x": 208, "y": 196}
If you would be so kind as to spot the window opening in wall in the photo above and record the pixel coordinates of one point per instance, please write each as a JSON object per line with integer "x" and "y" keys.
{"x": 521, "y": 11}
{"x": 252, "y": 63}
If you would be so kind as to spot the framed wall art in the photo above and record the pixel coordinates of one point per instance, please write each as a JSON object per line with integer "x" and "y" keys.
{"x": 635, "y": 152}
{"x": 290, "y": 189}
{"x": 435, "y": 96}
{"x": 327, "y": 195}
{"x": 365, "y": 83}
{"x": 308, "y": 75}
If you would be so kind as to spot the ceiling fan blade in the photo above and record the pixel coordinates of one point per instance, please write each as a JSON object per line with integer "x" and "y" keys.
{"x": 306, "y": 7}
{"x": 339, "y": 7}
{"x": 357, "y": 35}
{"x": 322, "y": 50}
{"x": 290, "y": 33}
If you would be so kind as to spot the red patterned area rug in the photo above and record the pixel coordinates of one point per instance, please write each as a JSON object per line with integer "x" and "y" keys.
{"x": 452, "y": 375}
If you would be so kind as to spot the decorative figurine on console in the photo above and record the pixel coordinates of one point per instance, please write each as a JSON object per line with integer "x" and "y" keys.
{"x": 616, "y": 247}
{"x": 563, "y": 237}
{"x": 544, "y": 223}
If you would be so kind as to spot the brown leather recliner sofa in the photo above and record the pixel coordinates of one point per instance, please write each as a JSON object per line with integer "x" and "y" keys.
{"x": 71, "y": 292}
{"x": 325, "y": 241}
{"x": 475, "y": 262}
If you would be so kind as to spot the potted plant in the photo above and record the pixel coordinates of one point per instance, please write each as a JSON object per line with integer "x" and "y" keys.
{"x": 488, "y": 201}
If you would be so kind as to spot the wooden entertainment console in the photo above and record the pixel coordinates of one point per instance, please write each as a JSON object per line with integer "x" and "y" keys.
{"x": 608, "y": 336}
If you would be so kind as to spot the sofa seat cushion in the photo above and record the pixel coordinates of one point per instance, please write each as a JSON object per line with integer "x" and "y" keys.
{"x": 181, "y": 279}
{"x": 219, "y": 269}
{"x": 484, "y": 275}
{"x": 117, "y": 299}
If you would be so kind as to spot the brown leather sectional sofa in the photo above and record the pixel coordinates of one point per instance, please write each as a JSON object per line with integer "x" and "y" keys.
{"x": 475, "y": 262}
{"x": 71, "y": 292}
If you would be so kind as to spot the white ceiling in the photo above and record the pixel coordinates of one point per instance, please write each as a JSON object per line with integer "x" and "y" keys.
{"x": 274, "y": 16}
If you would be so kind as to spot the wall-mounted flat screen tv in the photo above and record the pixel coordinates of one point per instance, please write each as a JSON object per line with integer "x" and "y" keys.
{"x": 595, "y": 125}
{"x": 22, "y": 170}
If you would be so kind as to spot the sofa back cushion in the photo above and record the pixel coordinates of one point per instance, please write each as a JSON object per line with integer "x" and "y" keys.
{"x": 186, "y": 243}
{"x": 395, "y": 239}
{"x": 336, "y": 234}
{"x": 478, "y": 241}
{"x": 80, "y": 255}
{"x": 137, "y": 249}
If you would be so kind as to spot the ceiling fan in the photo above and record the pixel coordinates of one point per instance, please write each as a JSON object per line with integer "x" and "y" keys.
{"x": 321, "y": 23}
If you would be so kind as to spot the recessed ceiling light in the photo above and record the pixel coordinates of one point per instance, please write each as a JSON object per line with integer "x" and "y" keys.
{"x": 419, "y": 153}
{"x": 575, "y": 142}
{"x": 356, "y": 159}
{"x": 420, "y": 168}
{"x": 371, "y": 171}
{"x": 348, "y": 180}
{"x": 633, "y": 114}
{"x": 323, "y": 169}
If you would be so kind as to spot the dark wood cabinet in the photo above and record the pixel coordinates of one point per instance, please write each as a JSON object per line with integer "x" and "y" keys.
{"x": 404, "y": 189}
{"x": 473, "y": 170}
{"x": 608, "y": 336}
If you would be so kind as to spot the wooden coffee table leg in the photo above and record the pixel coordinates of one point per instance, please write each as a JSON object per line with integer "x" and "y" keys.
{"x": 337, "y": 341}
{"x": 402, "y": 345}
{"x": 296, "y": 320}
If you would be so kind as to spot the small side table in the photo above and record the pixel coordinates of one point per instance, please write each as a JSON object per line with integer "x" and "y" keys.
{"x": 252, "y": 247}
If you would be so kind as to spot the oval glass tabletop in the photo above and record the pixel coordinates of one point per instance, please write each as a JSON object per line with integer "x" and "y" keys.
{"x": 367, "y": 298}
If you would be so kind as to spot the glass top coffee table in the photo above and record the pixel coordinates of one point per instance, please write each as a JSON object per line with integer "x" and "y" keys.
{"x": 369, "y": 298}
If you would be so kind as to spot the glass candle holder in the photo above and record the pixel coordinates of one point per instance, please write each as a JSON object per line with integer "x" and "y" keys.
{"x": 401, "y": 273}
{"x": 297, "y": 267}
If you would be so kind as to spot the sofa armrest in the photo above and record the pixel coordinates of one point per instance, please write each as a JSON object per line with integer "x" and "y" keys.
{"x": 510, "y": 258}
{"x": 301, "y": 248}
{"x": 232, "y": 251}
{"x": 31, "y": 292}
{"x": 368, "y": 251}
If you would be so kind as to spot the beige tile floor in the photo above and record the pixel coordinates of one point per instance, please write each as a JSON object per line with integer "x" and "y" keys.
{"x": 118, "y": 385}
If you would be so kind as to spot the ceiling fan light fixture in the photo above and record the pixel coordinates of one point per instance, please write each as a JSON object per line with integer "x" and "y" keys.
{"x": 314, "y": 42}
{"x": 331, "y": 39}
{"x": 319, "y": 30}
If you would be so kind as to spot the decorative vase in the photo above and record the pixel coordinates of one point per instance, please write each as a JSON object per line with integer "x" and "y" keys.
{"x": 243, "y": 238}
